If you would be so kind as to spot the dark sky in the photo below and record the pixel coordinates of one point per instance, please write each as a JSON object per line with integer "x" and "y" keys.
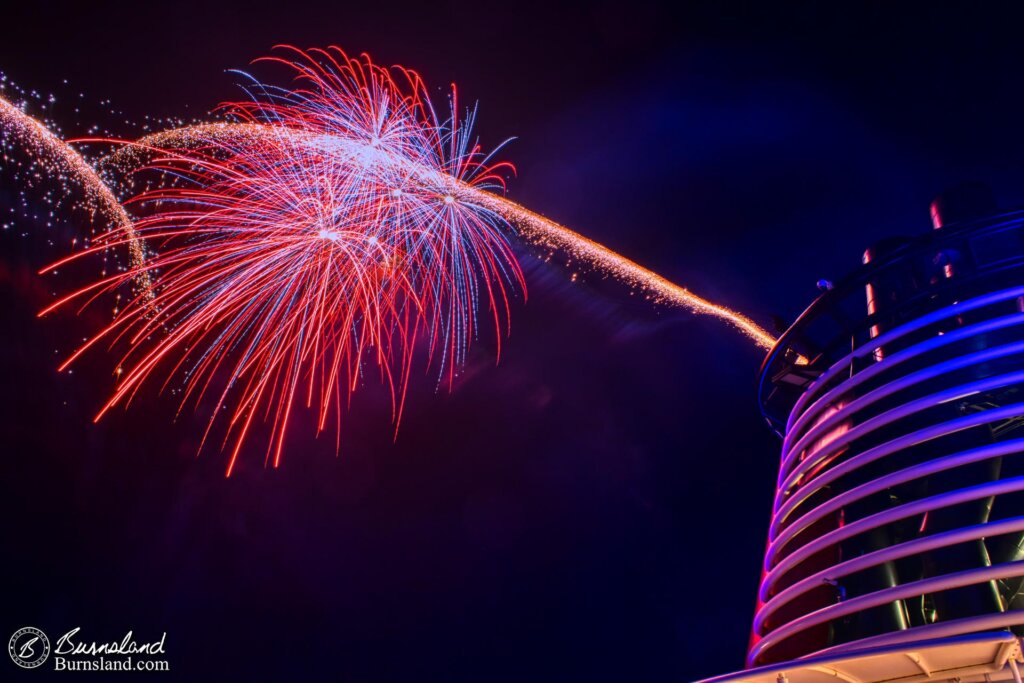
{"x": 594, "y": 507}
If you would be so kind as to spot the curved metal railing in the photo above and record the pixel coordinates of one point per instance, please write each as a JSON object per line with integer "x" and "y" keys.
{"x": 899, "y": 511}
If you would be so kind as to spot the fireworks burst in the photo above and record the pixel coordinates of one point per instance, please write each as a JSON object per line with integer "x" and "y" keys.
{"x": 291, "y": 260}
{"x": 324, "y": 229}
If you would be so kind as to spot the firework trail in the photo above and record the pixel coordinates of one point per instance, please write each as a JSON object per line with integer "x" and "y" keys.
{"x": 35, "y": 137}
{"x": 533, "y": 227}
{"x": 545, "y": 233}
{"x": 327, "y": 228}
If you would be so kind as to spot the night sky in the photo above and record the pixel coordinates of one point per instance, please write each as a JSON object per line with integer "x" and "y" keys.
{"x": 592, "y": 508}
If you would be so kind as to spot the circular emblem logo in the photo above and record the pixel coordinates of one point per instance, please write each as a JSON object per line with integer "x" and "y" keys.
{"x": 28, "y": 647}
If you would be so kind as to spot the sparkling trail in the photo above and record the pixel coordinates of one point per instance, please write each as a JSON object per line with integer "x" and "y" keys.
{"x": 533, "y": 227}
{"x": 35, "y": 136}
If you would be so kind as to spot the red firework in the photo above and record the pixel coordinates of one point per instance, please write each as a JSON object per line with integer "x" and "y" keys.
{"x": 284, "y": 264}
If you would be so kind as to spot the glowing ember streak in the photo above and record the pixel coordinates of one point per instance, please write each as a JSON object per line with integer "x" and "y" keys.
{"x": 544, "y": 232}
{"x": 35, "y": 136}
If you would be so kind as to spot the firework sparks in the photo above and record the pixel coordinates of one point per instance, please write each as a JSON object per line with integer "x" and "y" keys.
{"x": 292, "y": 260}
{"x": 325, "y": 229}
{"x": 32, "y": 135}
